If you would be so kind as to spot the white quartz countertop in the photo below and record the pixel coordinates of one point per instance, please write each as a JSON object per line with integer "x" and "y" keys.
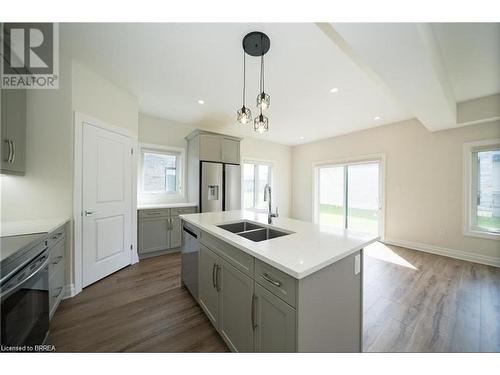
{"x": 165, "y": 205}
{"x": 310, "y": 248}
{"x": 20, "y": 227}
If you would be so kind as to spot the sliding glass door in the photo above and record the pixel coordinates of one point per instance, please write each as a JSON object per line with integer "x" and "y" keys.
{"x": 348, "y": 196}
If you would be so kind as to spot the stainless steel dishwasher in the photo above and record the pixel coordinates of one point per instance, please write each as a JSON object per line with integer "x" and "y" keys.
{"x": 189, "y": 254}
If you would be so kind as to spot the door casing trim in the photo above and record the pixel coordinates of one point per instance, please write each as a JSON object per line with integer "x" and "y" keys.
{"x": 78, "y": 120}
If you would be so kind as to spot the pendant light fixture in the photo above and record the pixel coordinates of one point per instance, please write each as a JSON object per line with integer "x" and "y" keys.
{"x": 244, "y": 114}
{"x": 263, "y": 100}
{"x": 256, "y": 44}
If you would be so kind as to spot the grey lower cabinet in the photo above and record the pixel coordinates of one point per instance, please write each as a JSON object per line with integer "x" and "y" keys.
{"x": 236, "y": 296}
{"x": 160, "y": 229}
{"x": 257, "y": 308}
{"x": 208, "y": 293}
{"x": 56, "y": 243}
{"x": 274, "y": 323}
{"x": 13, "y": 131}
{"x": 247, "y": 316}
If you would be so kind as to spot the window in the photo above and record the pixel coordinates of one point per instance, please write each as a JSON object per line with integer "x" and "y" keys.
{"x": 256, "y": 175}
{"x": 161, "y": 171}
{"x": 482, "y": 172}
{"x": 347, "y": 196}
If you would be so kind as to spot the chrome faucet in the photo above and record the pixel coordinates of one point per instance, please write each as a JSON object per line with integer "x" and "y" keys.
{"x": 267, "y": 198}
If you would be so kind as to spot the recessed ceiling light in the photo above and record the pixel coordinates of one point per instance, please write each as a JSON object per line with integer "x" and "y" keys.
{"x": 201, "y": 101}
{"x": 301, "y": 138}
{"x": 334, "y": 90}
{"x": 376, "y": 118}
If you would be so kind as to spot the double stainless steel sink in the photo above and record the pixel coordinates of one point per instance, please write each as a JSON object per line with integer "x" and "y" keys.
{"x": 253, "y": 231}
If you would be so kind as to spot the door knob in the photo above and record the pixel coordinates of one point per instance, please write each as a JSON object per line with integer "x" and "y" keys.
{"x": 89, "y": 213}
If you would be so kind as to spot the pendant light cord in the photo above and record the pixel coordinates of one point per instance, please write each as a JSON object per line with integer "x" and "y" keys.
{"x": 244, "y": 76}
{"x": 261, "y": 65}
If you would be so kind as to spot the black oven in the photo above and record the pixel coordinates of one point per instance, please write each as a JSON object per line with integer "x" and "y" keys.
{"x": 25, "y": 304}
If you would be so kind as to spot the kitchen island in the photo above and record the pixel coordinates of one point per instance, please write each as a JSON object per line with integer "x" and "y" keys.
{"x": 291, "y": 286}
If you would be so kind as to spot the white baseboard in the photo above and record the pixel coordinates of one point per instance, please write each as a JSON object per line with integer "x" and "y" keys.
{"x": 69, "y": 291}
{"x": 457, "y": 254}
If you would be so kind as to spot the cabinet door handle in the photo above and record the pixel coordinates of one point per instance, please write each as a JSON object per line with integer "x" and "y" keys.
{"x": 171, "y": 224}
{"x": 59, "y": 290}
{"x": 266, "y": 277}
{"x": 13, "y": 152}
{"x": 10, "y": 151}
{"x": 213, "y": 275}
{"x": 217, "y": 278}
{"x": 254, "y": 299}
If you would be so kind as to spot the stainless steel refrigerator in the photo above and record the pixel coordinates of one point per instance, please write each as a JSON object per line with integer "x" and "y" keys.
{"x": 220, "y": 187}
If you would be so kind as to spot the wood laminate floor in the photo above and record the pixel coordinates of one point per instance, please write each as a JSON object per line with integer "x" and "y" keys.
{"x": 413, "y": 302}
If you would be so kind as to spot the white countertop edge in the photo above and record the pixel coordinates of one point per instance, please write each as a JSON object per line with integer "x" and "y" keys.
{"x": 165, "y": 205}
{"x": 295, "y": 274}
{"x": 23, "y": 227}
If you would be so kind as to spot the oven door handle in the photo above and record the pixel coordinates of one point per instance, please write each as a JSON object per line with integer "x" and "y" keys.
{"x": 18, "y": 284}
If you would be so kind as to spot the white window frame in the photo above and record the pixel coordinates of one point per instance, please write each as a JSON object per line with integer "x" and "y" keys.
{"x": 470, "y": 188}
{"x": 180, "y": 168}
{"x": 271, "y": 165}
{"x": 353, "y": 160}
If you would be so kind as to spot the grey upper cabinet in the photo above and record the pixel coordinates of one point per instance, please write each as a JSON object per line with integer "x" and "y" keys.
{"x": 210, "y": 147}
{"x": 209, "y": 278}
{"x": 230, "y": 151}
{"x": 235, "y": 308}
{"x": 275, "y": 329}
{"x": 13, "y": 131}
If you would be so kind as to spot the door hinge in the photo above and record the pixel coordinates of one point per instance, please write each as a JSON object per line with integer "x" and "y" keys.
{"x": 131, "y": 247}
{"x": 132, "y": 151}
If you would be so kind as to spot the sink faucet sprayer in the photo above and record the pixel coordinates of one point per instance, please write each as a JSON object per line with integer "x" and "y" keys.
{"x": 267, "y": 198}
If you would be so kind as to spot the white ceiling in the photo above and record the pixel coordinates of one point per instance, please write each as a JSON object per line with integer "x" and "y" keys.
{"x": 169, "y": 67}
{"x": 471, "y": 54}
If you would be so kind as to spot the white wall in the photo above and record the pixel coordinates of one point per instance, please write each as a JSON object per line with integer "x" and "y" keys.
{"x": 96, "y": 96}
{"x": 162, "y": 131}
{"x": 46, "y": 190}
{"x": 424, "y": 192}
{"x": 167, "y": 133}
{"x": 281, "y": 157}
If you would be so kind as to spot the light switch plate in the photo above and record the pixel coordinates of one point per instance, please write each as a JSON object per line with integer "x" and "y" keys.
{"x": 357, "y": 264}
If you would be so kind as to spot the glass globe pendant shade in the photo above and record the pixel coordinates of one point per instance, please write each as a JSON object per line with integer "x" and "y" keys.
{"x": 263, "y": 101}
{"x": 261, "y": 124}
{"x": 244, "y": 115}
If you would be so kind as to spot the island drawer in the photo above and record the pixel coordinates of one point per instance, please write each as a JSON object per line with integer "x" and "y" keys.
{"x": 236, "y": 257}
{"x": 182, "y": 211}
{"x": 277, "y": 282}
{"x": 155, "y": 213}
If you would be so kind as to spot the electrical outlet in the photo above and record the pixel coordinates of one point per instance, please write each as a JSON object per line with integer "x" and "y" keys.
{"x": 357, "y": 264}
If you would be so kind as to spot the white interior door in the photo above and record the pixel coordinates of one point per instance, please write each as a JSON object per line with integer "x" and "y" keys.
{"x": 106, "y": 202}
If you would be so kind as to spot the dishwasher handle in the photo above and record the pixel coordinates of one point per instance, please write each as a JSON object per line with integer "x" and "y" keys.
{"x": 191, "y": 233}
